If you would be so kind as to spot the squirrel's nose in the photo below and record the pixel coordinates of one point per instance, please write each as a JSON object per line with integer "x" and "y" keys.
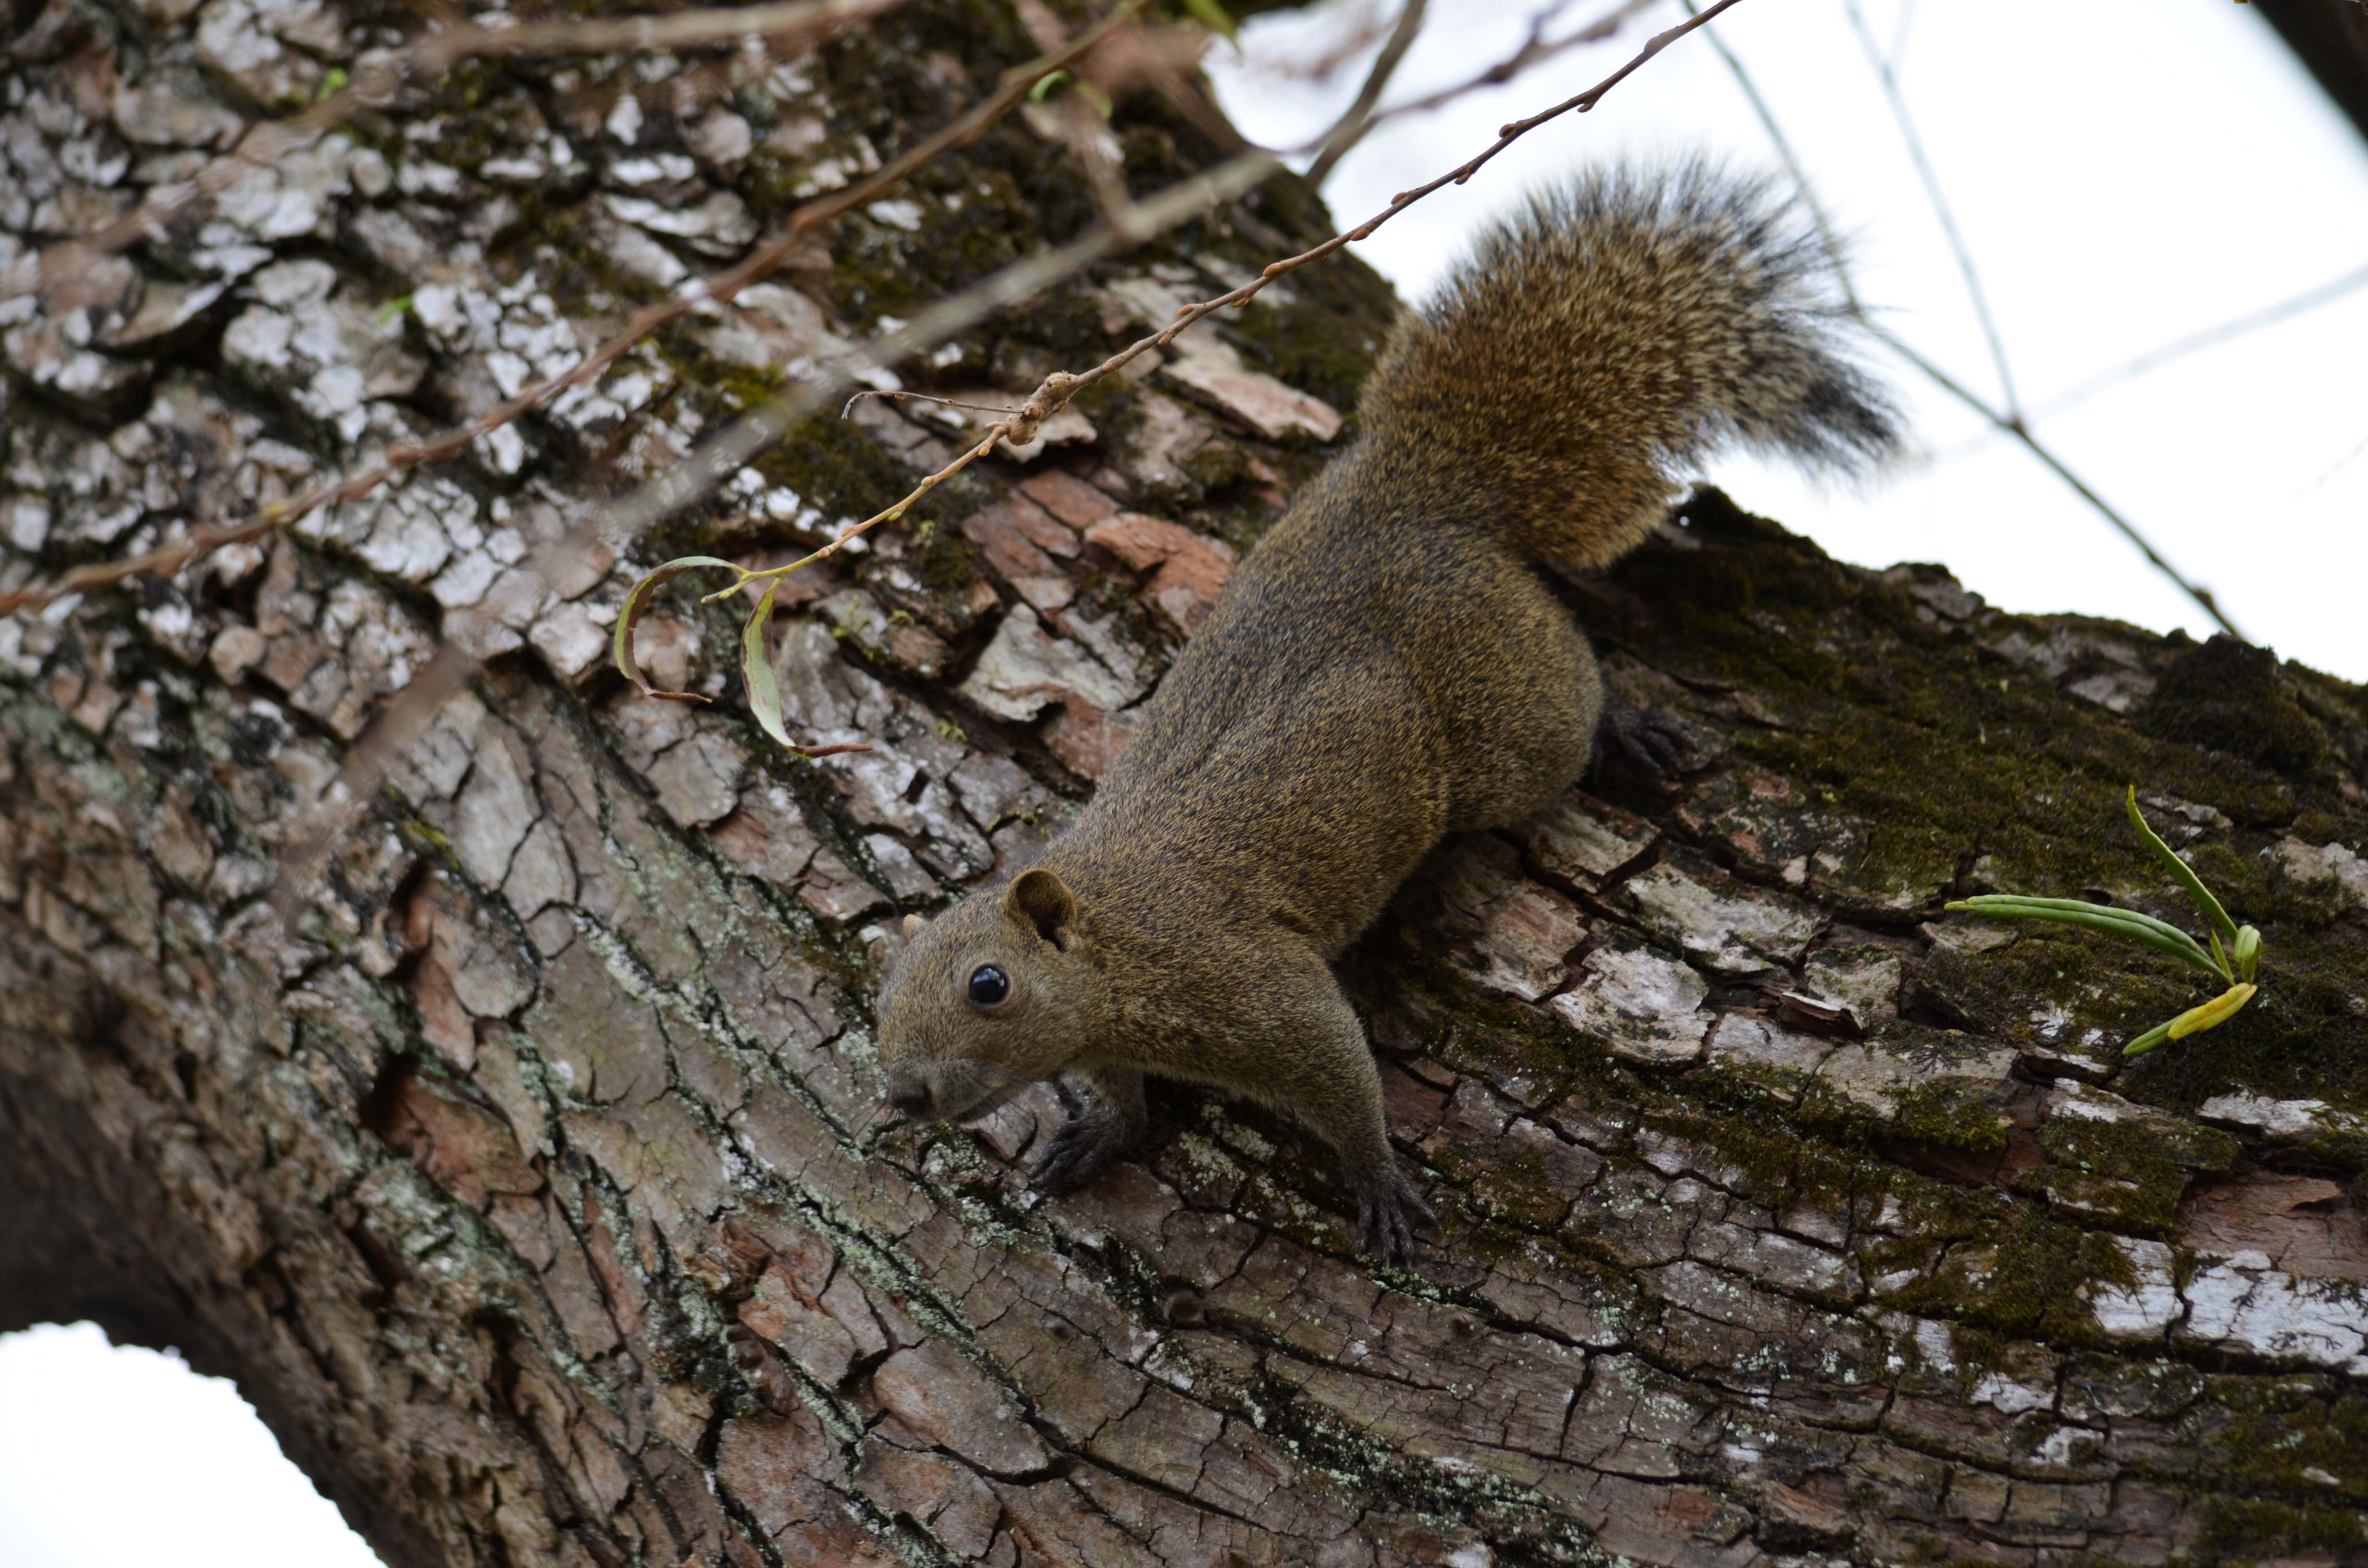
{"x": 908, "y": 1093}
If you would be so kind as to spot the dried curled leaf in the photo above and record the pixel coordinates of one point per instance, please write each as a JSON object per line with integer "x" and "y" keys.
{"x": 764, "y": 691}
{"x": 638, "y": 602}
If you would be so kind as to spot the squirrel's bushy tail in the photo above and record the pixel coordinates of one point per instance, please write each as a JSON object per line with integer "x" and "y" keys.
{"x": 1611, "y": 334}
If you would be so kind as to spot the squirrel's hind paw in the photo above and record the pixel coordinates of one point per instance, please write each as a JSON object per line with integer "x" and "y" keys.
{"x": 1079, "y": 1148}
{"x": 1659, "y": 746}
{"x": 1387, "y": 1211}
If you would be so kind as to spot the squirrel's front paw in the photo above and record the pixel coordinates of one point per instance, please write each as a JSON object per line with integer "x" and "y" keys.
{"x": 1387, "y": 1207}
{"x": 1079, "y": 1147}
{"x": 1658, "y": 744}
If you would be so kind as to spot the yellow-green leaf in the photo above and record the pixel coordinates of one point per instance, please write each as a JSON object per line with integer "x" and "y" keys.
{"x": 2129, "y": 924}
{"x": 764, "y": 691}
{"x": 2214, "y": 1013}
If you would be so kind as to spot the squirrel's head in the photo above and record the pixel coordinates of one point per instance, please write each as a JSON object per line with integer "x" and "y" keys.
{"x": 993, "y": 995}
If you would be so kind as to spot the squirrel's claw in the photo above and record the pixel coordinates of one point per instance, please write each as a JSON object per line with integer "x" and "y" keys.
{"x": 1657, "y": 744}
{"x": 1384, "y": 1211}
{"x": 1079, "y": 1148}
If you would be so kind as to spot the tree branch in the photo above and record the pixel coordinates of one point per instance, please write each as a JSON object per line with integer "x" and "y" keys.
{"x": 1353, "y": 124}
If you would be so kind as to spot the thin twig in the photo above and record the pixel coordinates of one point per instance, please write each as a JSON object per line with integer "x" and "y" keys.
{"x": 684, "y": 29}
{"x": 2346, "y": 461}
{"x": 407, "y": 717}
{"x": 1931, "y": 180}
{"x": 849, "y": 406}
{"x": 401, "y": 456}
{"x": 261, "y": 143}
{"x": 2177, "y": 349}
{"x": 1900, "y": 27}
{"x": 1352, "y": 124}
{"x": 1533, "y": 50}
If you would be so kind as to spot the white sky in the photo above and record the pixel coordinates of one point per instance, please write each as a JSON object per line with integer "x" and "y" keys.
{"x": 116, "y": 1458}
{"x": 2125, "y": 172}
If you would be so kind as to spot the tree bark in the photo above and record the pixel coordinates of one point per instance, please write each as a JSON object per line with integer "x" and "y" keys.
{"x": 539, "y": 1193}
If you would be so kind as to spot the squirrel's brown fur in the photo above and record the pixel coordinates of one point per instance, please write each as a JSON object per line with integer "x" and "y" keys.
{"x": 1385, "y": 668}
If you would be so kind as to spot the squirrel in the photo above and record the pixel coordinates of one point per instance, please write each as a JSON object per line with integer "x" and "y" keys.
{"x": 1387, "y": 666}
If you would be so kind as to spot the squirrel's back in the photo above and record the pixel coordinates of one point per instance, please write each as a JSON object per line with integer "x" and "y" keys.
{"x": 1608, "y": 334}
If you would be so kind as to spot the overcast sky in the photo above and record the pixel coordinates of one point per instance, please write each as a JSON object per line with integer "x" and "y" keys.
{"x": 125, "y": 1459}
{"x": 2124, "y": 173}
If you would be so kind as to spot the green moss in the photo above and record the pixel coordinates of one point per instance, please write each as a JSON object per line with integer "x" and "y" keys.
{"x": 1512, "y": 1190}
{"x": 1944, "y": 752}
{"x": 1219, "y": 466}
{"x": 2303, "y": 1441}
{"x": 1948, "y": 1115}
{"x": 2024, "y": 1275}
{"x": 2230, "y": 696}
{"x": 2261, "y": 1529}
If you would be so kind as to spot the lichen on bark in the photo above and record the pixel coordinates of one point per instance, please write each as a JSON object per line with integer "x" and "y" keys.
{"x": 539, "y": 1192}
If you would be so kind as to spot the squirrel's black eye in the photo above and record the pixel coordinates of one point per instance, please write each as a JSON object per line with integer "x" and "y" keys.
{"x": 988, "y": 984}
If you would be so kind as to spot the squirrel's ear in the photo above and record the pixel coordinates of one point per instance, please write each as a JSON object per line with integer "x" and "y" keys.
{"x": 913, "y": 924}
{"x": 1038, "y": 899}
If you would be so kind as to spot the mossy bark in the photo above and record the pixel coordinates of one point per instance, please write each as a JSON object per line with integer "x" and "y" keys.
{"x": 539, "y": 1195}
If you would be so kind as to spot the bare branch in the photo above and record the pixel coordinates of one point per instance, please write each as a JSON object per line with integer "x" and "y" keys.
{"x": 789, "y": 21}
{"x": 2014, "y": 427}
{"x": 1534, "y": 51}
{"x": 2208, "y": 337}
{"x": 2005, "y": 421}
{"x": 1352, "y": 124}
{"x": 849, "y": 406}
{"x": 1931, "y": 182}
{"x": 2346, "y": 461}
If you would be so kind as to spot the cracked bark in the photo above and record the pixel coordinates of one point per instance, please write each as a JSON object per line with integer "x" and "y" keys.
{"x": 539, "y": 1197}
